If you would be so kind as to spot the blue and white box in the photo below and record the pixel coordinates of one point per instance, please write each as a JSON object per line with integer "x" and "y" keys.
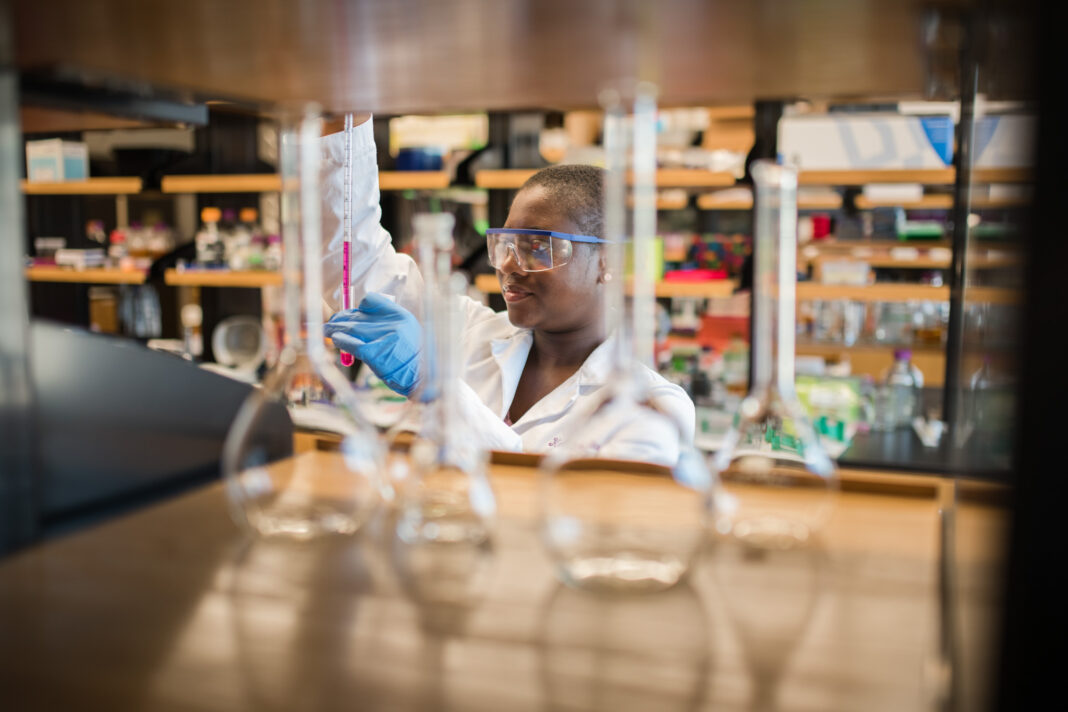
{"x": 866, "y": 141}
{"x": 54, "y": 159}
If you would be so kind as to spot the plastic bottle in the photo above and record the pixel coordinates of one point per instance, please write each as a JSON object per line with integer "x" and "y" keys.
{"x": 208, "y": 240}
{"x": 904, "y": 382}
{"x": 272, "y": 259}
{"x": 117, "y": 249}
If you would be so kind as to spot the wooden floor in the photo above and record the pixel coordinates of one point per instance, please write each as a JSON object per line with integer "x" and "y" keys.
{"x": 172, "y": 608}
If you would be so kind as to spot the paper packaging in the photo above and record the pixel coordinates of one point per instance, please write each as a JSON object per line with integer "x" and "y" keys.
{"x": 866, "y": 141}
{"x": 54, "y": 159}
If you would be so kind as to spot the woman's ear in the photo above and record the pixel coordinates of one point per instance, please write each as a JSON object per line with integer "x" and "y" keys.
{"x": 603, "y": 275}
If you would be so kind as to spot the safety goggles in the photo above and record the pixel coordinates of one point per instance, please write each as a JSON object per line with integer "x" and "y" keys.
{"x": 533, "y": 250}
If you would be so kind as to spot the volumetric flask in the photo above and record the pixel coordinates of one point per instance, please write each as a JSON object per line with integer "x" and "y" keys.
{"x": 445, "y": 498}
{"x": 776, "y": 483}
{"x": 324, "y": 491}
{"x": 623, "y": 498}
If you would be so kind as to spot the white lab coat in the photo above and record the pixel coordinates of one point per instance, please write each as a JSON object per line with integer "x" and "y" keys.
{"x": 494, "y": 351}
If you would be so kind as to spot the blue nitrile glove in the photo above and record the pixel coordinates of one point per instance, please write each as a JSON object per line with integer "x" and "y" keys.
{"x": 385, "y": 336}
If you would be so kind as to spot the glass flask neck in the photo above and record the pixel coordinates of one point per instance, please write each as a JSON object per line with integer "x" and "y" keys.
{"x": 433, "y": 243}
{"x": 631, "y": 324}
{"x": 774, "y": 277}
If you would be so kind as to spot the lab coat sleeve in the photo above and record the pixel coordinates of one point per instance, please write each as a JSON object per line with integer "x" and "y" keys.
{"x": 654, "y": 440}
{"x": 488, "y": 431}
{"x": 375, "y": 265}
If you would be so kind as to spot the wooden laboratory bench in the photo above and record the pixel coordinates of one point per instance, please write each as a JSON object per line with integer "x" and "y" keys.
{"x": 173, "y": 608}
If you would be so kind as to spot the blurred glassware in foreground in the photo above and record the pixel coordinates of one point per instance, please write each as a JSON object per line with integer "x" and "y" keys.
{"x": 315, "y": 493}
{"x": 630, "y": 519}
{"x": 777, "y": 482}
{"x": 446, "y": 495}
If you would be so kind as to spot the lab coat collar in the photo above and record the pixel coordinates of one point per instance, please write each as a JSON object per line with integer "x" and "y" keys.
{"x": 511, "y": 353}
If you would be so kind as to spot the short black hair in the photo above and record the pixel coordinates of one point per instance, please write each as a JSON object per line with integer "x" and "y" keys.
{"x": 578, "y": 190}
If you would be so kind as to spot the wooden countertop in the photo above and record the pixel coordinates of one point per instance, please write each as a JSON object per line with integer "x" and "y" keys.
{"x": 171, "y": 608}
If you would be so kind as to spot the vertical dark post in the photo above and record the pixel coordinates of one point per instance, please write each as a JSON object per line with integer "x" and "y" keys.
{"x": 17, "y": 501}
{"x": 1031, "y": 648}
{"x": 766, "y": 117}
{"x": 500, "y": 140}
{"x": 962, "y": 205}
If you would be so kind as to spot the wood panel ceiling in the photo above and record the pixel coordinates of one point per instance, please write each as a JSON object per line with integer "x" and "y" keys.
{"x": 441, "y": 55}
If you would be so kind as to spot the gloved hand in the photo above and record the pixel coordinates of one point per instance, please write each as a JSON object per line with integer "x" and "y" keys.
{"x": 385, "y": 336}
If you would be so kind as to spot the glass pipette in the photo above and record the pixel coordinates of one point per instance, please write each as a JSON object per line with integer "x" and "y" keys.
{"x": 347, "y": 359}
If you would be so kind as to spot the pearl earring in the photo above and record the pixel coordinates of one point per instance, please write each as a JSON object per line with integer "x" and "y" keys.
{"x": 608, "y": 277}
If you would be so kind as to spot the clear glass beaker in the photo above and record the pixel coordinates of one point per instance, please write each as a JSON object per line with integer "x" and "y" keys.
{"x": 324, "y": 491}
{"x": 623, "y": 499}
{"x": 445, "y": 497}
{"x": 776, "y": 482}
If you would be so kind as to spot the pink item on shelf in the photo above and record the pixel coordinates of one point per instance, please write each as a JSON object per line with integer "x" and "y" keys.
{"x": 695, "y": 275}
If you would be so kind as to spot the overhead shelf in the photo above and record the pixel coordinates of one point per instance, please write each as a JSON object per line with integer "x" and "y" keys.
{"x": 873, "y": 292}
{"x": 710, "y": 201}
{"x": 92, "y": 275}
{"x": 925, "y": 176}
{"x": 89, "y": 186}
{"x": 222, "y": 278}
{"x": 512, "y": 178}
{"x": 270, "y": 182}
{"x": 488, "y": 284}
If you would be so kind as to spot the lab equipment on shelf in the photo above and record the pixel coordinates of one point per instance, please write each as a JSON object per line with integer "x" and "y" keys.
{"x": 776, "y": 484}
{"x": 300, "y": 498}
{"x": 609, "y": 520}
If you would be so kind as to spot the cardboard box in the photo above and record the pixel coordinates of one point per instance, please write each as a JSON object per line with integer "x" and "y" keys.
{"x": 54, "y": 160}
{"x": 866, "y": 141}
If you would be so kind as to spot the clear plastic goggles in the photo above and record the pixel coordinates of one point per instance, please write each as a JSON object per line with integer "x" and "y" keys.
{"x": 533, "y": 250}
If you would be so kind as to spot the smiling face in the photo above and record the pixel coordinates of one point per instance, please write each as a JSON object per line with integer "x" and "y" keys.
{"x": 563, "y": 299}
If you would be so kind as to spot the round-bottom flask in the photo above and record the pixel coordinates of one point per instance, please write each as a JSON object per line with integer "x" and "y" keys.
{"x": 624, "y": 524}
{"x": 776, "y": 485}
{"x": 321, "y": 491}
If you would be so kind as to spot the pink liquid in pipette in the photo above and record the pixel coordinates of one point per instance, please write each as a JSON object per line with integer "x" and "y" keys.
{"x": 347, "y": 359}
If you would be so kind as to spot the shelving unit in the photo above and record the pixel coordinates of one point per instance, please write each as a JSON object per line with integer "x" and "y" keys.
{"x": 710, "y": 201}
{"x": 925, "y": 176}
{"x": 94, "y": 275}
{"x": 90, "y": 186}
{"x": 665, "y": 178}
{"x": 873, "y": 292}
{"x": 271, "y": 182}
{"x": 488, "y": 284}
{"x": 222, "y": 278}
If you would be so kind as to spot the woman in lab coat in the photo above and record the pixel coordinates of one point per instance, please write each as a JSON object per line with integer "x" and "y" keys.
{"x": 529, "y": 374}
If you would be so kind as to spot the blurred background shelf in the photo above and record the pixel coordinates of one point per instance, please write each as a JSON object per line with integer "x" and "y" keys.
{"x": 926, "y": 176}
{"x": 222, "y": 278}
{"x": 270, "y": 182}
{"x": 97, "y": 275}
{"x": 665, "y": 178}
{"x": 90, "y": 186}
{"x": 488, "y": 284}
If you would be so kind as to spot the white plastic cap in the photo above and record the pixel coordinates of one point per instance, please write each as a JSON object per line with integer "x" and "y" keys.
{"x": 192, "y": 315}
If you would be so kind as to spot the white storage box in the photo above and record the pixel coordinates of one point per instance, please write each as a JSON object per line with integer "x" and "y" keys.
{"x": 1006, "y": 141}
{"x": 866, "y": 141}
{"x": 56, "y": 160}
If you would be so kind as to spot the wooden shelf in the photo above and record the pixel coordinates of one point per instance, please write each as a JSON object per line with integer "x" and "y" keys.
{"x": 92, "y": 275}
{"x": 708, "y": 201}
{"x": 222, "y": 278}
{"x": 90, "y": 186}
{"x": 926, "y": 176}
{"x": 488, "y": 284}
{"x": 249, "y": 183}
{"x": 413, "y": 180}
{"x": 665, "y": 178}
{"x": 921, "y": 262}
{"x": 927, "y": 202}
{"x": 873, "y": 292}
{"x": 270, "y": 182}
